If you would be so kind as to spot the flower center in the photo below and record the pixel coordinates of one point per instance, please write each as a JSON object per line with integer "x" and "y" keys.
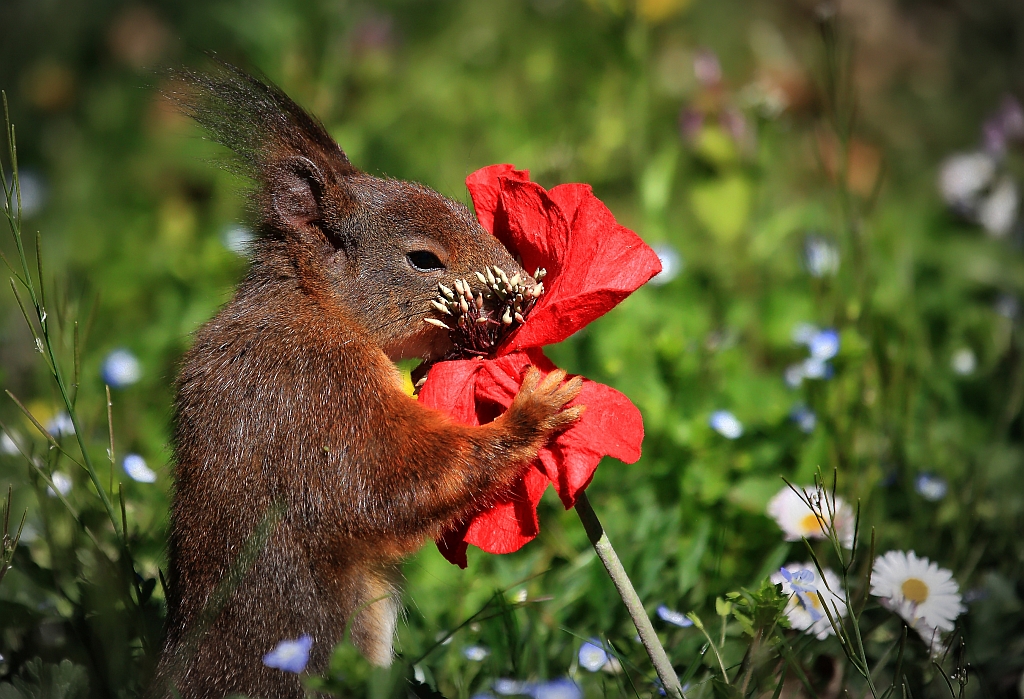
{"x": 812, "y": 524}
{"x": 477, "y": 322}
{"x": 915, "y": 590}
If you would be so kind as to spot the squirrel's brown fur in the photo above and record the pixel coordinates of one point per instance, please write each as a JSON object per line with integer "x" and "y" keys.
{"x": 304, "y": 473}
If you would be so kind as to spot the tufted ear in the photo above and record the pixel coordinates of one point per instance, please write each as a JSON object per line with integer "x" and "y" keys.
{"x": 298, "y": 167}
{"x": 296, "y": 189}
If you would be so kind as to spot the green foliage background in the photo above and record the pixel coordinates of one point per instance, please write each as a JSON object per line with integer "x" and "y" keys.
{"x": 133, "y": 236}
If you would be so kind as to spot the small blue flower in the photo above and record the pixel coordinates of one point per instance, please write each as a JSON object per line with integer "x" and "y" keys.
{"x": 135, "y": 466}
{"x": 290, "y": 655}
{"x": 824, "y": 345}
{"x": 964, "y": 362}
{"x": 671, "y": 264}
{"x": 506, "y": 686}
{"x": 931, "y": 487}
{"x": 592, "y": 655}
{"x": 804, "y": 418}
{"x": 475, "y": 653}
{"x": 556, "y": 689}
{"x": 60, "y": 425}
{"x": 794, "y": 375}
{"x": 725, "y": 423}
{"x": 821, "y": 256}
{"x": 1007, "y": 306}
{"x": 975, "y": 594}
{"x": 8, "y": 445}
{"x": 61, "y": 482}
{"x": 801, "y": 580}
{"x": 816, "y": 369}
{"x": 803, "y": 333}
{"x": 34, "y": 192}
{"x": 120, "y": 369}
{"x": 673, "y": 617}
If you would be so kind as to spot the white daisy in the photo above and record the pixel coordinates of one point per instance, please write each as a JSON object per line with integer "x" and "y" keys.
{"x": 801, "y": 582}
{"x": 797, "y": 520}
{"x": 921, "y": 592}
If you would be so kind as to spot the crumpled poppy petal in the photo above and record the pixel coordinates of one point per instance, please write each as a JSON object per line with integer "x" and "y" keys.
{"x": 536, "y": 228}
{"x": 512, "y": 522}
{"x": 610, "y": 426}
{"x": 601, "y": 263}
{"x": 485, "y": 190}
{"x": 504, "y": 528}
{"x": 451, "y": 386}
{"x": 453, "y": 546}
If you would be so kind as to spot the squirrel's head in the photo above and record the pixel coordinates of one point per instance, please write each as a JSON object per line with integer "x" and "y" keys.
{"x": 369, "y": 248}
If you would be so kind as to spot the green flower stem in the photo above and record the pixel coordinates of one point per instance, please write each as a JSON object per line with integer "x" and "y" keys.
{"x": 649, "y": 639}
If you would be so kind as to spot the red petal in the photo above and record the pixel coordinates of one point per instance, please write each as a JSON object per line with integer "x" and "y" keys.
{"x": 611, "y": 425}
{"x": 453, "y": 546}
{"x": 484, "y": 189}
{"x": 536, "y": 230}
{"x": 450, "y": 386}
{"x": 512, "y": 522}
{"x": 603, "y": 263}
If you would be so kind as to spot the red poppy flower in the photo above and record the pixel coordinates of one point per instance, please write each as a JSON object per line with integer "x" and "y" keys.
{"x": 592, "y": 264}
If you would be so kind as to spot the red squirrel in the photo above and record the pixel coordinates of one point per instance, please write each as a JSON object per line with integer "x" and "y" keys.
{"x": 289, "y": 402}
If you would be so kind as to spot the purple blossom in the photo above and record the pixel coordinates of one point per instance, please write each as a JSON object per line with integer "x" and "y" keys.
{"x": 592, "y": 655}
{"x": 691, "y": 122}
{"x": 706, "y": 68}
{"x": 824, "y": 345}
{"x": 120, "y": 369}
{"x": 725, "y": 423}
{"x": 804, "y": 418}
{"x": 931, "y": 487}
{"x": 673, "y": 617}
{"x": 563, "y": 688}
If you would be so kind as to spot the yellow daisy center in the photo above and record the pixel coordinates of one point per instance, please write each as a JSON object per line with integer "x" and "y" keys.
{"x": 812, "y": 524}
{"x": 915, "y": 590}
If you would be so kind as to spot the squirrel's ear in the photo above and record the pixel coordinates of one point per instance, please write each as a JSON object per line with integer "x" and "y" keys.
{"x": 296, "y": 188}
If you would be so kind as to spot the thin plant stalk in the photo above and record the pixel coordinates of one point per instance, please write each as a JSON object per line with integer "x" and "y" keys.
{"x": 43, "y": 341}
{"x": 648, "y": 637}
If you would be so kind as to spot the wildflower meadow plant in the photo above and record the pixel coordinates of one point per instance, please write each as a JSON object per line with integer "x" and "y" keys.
{"x": 592, "y": 656}
{"x": 805, "y": 588}
{"x": 135, "y": 466}
{"x": 726, "y": 424}
{"x": 807, "y": 513}
{"x": 120, "y": 369}
{"x": 921, "y": 592}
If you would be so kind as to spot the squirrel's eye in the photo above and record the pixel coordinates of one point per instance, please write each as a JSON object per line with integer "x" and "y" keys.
{"x": 424, "y": 261}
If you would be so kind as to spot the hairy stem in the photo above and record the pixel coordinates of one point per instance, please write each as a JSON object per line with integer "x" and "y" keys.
{"x": 649, "y": 639}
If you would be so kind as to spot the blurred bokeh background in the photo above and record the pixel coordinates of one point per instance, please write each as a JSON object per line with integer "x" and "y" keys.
{"x": 799, "y": 166}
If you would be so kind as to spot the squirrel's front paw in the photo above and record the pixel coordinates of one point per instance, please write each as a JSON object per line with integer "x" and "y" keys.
{"x": 541, "y": 400}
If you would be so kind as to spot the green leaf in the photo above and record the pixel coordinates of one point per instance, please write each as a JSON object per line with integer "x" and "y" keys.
{"x": 722, "y": 205}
